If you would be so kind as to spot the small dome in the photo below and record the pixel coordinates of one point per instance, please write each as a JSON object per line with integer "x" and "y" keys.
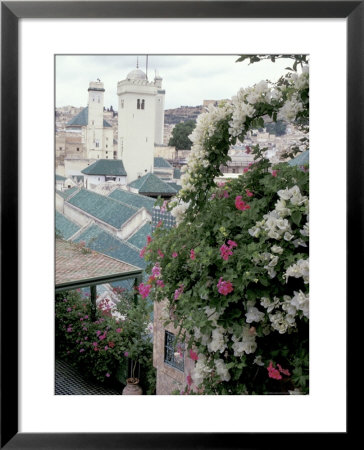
{"x": 136, "y": 74}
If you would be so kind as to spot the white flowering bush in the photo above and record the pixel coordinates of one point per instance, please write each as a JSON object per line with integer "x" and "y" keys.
{"x": 235, "y": 268}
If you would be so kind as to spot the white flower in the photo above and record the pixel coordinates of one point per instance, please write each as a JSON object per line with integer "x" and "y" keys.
{"x": 290, "y": 109}
{"x": 258, "y": 360}
{"x": 222, "y": 370}
{"x": 254, "y": 315}
{"x": 301, "y": 302}
{"x": 300, "y": 269}
{"x": 218, "y": 341}
{"x": 277, "y": 249}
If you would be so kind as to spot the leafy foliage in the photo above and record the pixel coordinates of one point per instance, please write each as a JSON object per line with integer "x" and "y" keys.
{"x": 180, "y": 133}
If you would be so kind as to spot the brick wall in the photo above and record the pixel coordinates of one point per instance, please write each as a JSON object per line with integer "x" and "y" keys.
{"x": 168, "y": 378}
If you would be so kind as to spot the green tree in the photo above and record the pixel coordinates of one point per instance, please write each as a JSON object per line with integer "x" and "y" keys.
{"x": 180, "y": 134}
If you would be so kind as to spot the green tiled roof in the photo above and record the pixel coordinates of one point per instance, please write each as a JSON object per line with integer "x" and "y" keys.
{"x": 111, "y": 167}
{"x": 177, "y": 174}
{"x": 81, "y": 120}
{"x": 60, "y": 178}
{"x": 161, "y": 162}
{"x": 175, "y": 186}
{"x": 103, "y": 242}
{"x": 68, "y": 192}
{"x": 301, "y": 159}
{"x": 136, "y": 200}
{"x": 65, "y": 227}
{"x": 103, "y": 208}
{"x": 139, "y": 239}
{"x": 151, "y": 184}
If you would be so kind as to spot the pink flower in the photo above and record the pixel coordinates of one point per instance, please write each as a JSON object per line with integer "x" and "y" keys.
{"x": 98, "y": 332}
{"x": 225, "y": 194}
{"x": 107, "y": 375}
{"x": 94, "y": 344}
{"x": 246, "y": 169}
{"x": 159, "y": 224}
{"x": 284, "y": 371}
{"x": 144, "y": 289}
{"x": 274, "y": 173}
{"x": 142, "y": 252}
{"x": 248, "y": 193}
{"x": 69, "y": 309}
{"x": 273, "y": 372}
{"x": 126, "y": 354}
{"x": 164, "y": 206}
{"x": 189, "y": 380}
{"x": 192, "y": 254}
{"x": 156, "y": 270}
{"x": 106, "y": 347}
{"x": 221, "y": 184}
{"x": 178, "y": 292}
{"x": 224, "y": 287}
{"x": 174, "y": 255}
{"x": 231, "y": 243}
{"x": 160, "y": 283}
{"x": 247, "y": 149}
{"x": 213, "y": 196}
{"x": 160, "y": 253}
{"x": 193, "y": 355}
{"x": 240, "y": 204}
{"x": 151, "y": 279}
{"x": 149, "y": 239}
{"x": 82, "y": 350}
{"x": 225, "y": 252}
{"x": 102, "y": 336}
{"x": 86, "y": 317}
{"x": 69, "y": 329}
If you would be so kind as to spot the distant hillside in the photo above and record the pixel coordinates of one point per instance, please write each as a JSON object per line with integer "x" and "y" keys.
{"x": 181, "y": 114}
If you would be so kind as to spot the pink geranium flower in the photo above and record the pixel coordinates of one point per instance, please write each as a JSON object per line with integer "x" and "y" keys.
{"x": 160, "y": 253}
{"x": 189, "y": 380}
{"x": 118, "y": 330}
{"x": 156, "y": 270}
{"x": 142, "y": 252}
{"x": 192, "y": 254}
{"x": 273, "y": 372}
{"x": 224, "y": 287}
{"x": 149, "y": 239}
{"x": 274, "y": 173}
{"x": 193, "y": 355}
{"x": 160, "y": 283}
{"x": 248, "y": 193}
{"x": 174, "y": 255}
{"x": 240, "y": 204}
{"x": 246, "y": 169}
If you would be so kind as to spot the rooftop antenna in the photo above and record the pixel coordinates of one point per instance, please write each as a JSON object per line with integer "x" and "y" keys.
{"x": 146, "y": 69}
{"x": 137, "y": 63}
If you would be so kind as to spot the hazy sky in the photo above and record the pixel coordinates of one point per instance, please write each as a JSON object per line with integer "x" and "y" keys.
{"x": 187, "y": 79}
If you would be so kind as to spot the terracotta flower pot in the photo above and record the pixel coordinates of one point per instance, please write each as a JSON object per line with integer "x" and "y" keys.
{"x": 132, "y": 387}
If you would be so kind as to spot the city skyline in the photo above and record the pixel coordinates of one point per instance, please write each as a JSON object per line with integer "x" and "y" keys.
{"x": 187, "y": 79}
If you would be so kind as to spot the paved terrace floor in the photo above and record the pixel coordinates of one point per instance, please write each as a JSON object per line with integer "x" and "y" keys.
{"x": 68, "y": 381}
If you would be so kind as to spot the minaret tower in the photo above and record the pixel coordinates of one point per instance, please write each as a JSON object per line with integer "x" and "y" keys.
{"x": 159, "y": 110}
{"x": 136, "y": 123}
{"x": 95, "y": 126}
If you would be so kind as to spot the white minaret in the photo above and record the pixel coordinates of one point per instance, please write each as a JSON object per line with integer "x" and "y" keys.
{"x": 136, "y": 123}
{"x": 159, "y": 110}
{"x": 99, "y": 138}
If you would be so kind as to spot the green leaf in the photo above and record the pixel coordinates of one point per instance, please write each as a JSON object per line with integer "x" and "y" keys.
{"x": 296, "y": 217}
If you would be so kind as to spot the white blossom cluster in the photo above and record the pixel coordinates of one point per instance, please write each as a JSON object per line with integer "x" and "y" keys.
{"x": 290, "y": 109}
{"x": 222, "y": 370}
{"x": 298, "y": 270}
{"x": 179, "y": 211}
{"x": 201, "y": 370}
{"x": 301, "y": 81}
{"x": 205, "y": 128}
{"x": 244, "y": 343}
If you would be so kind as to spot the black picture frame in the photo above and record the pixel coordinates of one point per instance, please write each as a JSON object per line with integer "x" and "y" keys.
{"x": 11, "y": 12}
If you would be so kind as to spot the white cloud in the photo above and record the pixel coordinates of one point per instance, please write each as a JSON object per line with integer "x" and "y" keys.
{"x": 188, "y": 79}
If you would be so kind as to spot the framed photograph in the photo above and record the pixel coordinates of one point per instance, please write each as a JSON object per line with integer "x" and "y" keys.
{"x": 35, "y": 38}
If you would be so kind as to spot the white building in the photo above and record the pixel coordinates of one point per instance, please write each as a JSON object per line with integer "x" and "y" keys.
{"x": 140, "y": 122}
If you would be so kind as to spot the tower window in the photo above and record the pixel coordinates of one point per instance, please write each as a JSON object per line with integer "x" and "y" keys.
{"x": 138, "y": 103}
{"x": 121, "y": 103}
{"x": 143, "y": 103}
